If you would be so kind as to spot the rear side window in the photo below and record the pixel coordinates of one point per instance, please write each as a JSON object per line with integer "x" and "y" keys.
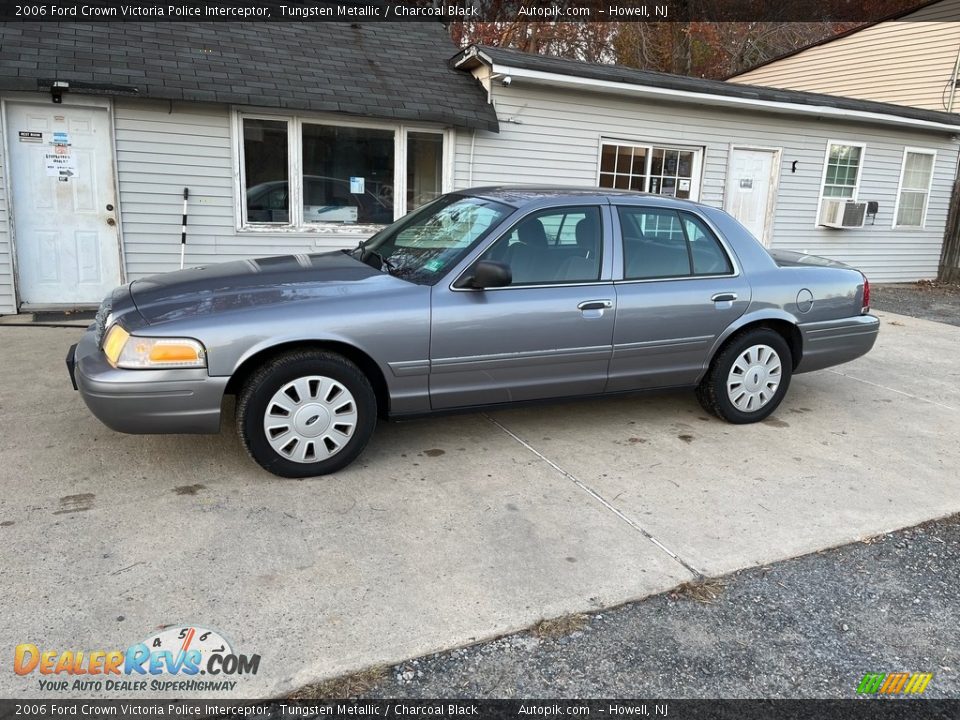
{"x": 708, "y": 255}
{"x": 661, "y": 243}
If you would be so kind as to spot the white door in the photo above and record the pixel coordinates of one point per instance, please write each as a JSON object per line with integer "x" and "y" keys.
{"x": 751, "y": 189}
{"x": 61, "y": 175}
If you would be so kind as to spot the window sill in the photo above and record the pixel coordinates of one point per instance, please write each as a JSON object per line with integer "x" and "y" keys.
{"x": 327, "y": 229}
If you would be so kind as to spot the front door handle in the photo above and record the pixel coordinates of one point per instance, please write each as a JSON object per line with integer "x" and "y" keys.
{"x": 724, "y": 297}
{"x": 595, "y": 305}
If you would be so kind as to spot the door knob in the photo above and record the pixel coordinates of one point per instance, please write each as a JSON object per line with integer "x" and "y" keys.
{"x": 111, "y": 222}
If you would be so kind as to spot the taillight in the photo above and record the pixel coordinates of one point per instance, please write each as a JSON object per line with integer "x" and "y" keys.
{"x": 866, "y": 296}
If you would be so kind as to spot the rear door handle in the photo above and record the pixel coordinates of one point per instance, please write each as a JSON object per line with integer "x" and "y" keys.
{"x": 595, "y": 305}
{"x": 724, "y": 297}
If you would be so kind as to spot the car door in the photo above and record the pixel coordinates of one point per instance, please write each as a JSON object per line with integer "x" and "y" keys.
{"x": 680, "y": 287}
{"x": 547, "y": 334}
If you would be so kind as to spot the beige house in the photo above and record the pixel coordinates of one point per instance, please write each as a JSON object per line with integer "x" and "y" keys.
{"x": 912, "y": 60}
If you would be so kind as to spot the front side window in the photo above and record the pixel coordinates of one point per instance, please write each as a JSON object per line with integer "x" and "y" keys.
{"x": 423, "y": 246}
{"x": 915, "y": 178}
{"x": 647, "y": 168}
{"x": 662, "y": 243}
{"x": 560, "y": 245}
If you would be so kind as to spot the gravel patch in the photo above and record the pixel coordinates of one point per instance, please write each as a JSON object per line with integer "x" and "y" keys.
{"x": 803, "y": 628}
{"x": 926, "y": 299}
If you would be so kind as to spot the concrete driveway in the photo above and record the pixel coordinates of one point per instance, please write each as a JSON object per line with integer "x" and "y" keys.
{"x": 447, "y": 530}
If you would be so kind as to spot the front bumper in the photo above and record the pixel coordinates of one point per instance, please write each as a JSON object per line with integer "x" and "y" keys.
{"x": 836, "y": 341}
{"x": 145, "y": 401}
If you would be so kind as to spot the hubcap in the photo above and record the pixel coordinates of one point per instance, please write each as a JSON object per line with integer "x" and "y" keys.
{"x": 310, "y": 419}
{"x": 754, "y": 378}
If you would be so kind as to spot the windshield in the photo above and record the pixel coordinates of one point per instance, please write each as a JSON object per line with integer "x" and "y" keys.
{"x": 421, "y": 247}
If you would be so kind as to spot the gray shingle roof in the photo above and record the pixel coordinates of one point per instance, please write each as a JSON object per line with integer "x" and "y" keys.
{"x": 648, "y": 78}
{"x": 380, "y": 70}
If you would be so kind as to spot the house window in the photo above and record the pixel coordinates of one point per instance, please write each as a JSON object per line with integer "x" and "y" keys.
{"x": 648, "y": 168}
{"x": 265, "y": 167}
{"x": 841, "y": 176}
{"x": 303, "y": 173}
{"x": 916, "y": 175}
{"x": 424, "y": 168}
{"x": 347, "y": 175}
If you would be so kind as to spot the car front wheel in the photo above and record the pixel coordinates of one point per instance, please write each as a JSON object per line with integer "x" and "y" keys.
{"x": 748, "y": 378}
{"x": 306, "y": 413}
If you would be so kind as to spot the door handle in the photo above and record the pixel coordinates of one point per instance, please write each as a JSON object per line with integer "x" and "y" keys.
{"x": 724, "y": 297}
{"x": 595, "y": 305}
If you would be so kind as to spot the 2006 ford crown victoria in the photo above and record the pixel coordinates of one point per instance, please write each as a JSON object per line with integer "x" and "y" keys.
{"x": 482, "y": 297}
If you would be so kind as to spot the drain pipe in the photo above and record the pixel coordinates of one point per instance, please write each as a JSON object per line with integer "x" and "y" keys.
{"x": 953, "y": 82}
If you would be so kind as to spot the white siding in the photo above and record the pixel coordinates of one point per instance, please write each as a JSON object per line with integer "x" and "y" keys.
{"x": 553, "y": 136}
{"x": 160, "y": 151}
{"x": 8, "y": 303}
{"x": 906, "y": 62}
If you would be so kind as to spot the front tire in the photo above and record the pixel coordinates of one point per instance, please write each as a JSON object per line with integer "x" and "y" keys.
{"x": 748, "y": 378}
{"x": 306, "y": 413}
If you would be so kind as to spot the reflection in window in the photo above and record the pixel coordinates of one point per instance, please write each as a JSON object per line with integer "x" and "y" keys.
{"x": 347, "y": 174}
{"x": 265, "y": 169}
{"x": 424, "y": 168}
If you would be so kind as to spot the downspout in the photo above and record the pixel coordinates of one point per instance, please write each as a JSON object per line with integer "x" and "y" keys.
{"x": 953, "y": 82}
{"x": 473, "y": 145}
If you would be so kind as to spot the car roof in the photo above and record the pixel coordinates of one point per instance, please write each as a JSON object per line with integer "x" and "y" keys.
{"x": 523, "y": 195}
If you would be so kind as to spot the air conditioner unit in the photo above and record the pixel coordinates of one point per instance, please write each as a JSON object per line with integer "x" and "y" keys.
{"x": 843, "y": 214}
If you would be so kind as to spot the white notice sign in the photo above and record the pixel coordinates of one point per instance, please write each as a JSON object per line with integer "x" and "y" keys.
{"x": 60, "y": 162}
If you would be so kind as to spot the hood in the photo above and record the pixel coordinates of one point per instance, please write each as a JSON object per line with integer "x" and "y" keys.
{"x": 242, "y": 284}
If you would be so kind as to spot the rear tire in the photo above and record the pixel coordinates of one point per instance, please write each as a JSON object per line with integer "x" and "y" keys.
{"x": 306, "y": 413}
{"x": 748, "y": 378}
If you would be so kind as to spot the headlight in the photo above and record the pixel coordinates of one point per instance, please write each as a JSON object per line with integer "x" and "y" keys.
{"x": 142, "y": 353}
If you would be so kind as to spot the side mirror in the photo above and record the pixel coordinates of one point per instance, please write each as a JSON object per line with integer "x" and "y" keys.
{"x": 490, "y": 274}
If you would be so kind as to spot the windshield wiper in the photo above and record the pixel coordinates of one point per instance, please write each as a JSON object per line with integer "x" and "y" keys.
{"x": 381, "y": 261}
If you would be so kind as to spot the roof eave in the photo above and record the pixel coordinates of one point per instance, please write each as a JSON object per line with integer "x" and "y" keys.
{"x": 787, "y": 108}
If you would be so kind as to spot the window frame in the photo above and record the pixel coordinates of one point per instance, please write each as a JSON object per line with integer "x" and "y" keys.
{"x": 696, "y": 173}
{"x": 903, "y": 171}
{"x": 823, "y": 176}
{"x": 295, "y": 122}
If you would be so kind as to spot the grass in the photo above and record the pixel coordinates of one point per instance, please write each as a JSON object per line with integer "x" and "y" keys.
{"x": 558, "y": 627}
{"x": 706, "y": 591}
{"x": 345, "y": 686}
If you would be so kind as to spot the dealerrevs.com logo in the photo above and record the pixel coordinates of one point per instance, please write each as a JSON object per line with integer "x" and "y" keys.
{"x": 177, "y": 658}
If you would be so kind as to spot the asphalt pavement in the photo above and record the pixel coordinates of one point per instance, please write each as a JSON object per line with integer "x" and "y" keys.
{"x": 810, "y": 627}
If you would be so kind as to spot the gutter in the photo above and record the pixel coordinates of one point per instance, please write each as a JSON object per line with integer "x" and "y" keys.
{"x": 471, "y": 60}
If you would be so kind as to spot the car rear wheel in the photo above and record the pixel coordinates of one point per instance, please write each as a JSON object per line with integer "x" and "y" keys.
{"x": 748, "y": 378}
{"x": 306, "y": 413}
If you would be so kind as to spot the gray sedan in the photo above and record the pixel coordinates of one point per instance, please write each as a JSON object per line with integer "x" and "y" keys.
{"x": 481, "y": 298}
